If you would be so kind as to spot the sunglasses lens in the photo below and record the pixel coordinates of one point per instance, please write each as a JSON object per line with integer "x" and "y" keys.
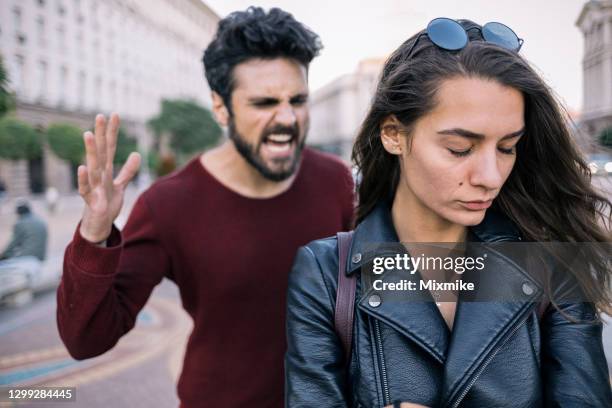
{"x": 447, "y": 34}
{"x": 501, "y": 35}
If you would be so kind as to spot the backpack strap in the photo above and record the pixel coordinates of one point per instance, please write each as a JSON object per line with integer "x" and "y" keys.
{"x": 345, "y": 296}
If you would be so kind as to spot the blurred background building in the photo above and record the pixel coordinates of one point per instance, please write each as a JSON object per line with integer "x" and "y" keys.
{"x": 338, "y": 108}
{"x": 67, "y": 60}
{"x": 595, "y": 22}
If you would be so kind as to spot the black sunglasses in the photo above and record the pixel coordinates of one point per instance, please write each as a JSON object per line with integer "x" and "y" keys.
{"x": 449, "y": 35}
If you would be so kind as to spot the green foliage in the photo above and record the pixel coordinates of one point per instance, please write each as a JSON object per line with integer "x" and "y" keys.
{"x": 7, "y": 99}
{"x": 18, "y": 140}
{"x": 153, "y": 160}
{"x": 66, "y": 142}
{"x": 605, "y": 137}
{"x": 191, "y": 126}
{"x": 125, "y": 145}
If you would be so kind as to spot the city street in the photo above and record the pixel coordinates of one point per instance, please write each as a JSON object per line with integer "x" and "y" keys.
{"x": 141, "y": 371}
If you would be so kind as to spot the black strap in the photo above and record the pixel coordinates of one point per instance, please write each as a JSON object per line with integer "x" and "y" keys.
{"x": 345, "y": 296}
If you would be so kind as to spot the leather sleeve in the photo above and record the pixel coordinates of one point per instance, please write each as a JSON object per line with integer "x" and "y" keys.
{"x": 314, "y": 363}
{"x": 574, "y": 368}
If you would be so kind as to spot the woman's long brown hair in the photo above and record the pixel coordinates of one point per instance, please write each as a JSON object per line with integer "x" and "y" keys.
{"x": 548, "y": 195}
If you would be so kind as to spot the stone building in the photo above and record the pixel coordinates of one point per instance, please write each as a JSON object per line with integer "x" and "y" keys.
{"x": 595, "y": 22}
{"x": 70, "y": 59}
{"x": 338, "y": 108}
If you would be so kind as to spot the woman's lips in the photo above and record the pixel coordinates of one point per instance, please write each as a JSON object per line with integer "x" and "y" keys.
{"x": 476, "y": 205}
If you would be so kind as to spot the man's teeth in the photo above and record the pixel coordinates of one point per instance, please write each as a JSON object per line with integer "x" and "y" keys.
{"x": 279, "y": 138}
{"x": 278, "y": 148}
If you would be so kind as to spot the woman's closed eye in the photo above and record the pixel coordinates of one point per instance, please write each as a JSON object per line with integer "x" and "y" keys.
{"x": 465, "y": 152}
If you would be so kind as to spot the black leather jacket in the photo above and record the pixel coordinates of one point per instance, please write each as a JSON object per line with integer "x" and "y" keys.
{"x": 498, "y": 355}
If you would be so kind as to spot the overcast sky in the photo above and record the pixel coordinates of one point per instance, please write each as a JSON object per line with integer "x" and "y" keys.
{"x": 352, "y": 30}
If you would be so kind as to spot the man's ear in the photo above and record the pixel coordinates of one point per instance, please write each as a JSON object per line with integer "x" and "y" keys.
{"x": 219, "y": 109}
{"x": 390, "y": 135}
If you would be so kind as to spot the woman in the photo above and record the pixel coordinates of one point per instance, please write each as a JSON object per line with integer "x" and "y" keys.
{"x": 463, "y": 142}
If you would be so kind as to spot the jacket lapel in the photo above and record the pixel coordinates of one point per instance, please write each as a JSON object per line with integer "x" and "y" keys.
{"x": 479, "y": 328}
{"x": 412, "y": 313}
{"x": 482, "y": 327}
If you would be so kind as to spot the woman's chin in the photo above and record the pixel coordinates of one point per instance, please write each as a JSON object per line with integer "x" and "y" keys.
{"x": 467, "y": 218}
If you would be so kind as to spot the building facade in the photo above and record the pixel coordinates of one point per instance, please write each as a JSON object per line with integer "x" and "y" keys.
{"x": 338, "y": 108}
{"x": 595, "y": 22}
{"x": 70, "y": 59}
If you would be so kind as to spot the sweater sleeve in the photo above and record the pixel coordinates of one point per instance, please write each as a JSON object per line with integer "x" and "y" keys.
{"x": 103, "y": 288}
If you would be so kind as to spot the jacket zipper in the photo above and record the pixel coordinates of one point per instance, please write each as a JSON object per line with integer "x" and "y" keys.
{"x": 487, "y": 361}
{"x": 383, "y": 366}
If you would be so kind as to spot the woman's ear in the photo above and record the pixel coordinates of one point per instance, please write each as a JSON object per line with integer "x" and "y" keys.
{"x": 391, "y": 136}
{"x": 219, "y": 109}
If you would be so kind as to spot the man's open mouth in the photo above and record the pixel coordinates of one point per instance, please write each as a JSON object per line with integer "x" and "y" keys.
{"x": 278, "y": 142}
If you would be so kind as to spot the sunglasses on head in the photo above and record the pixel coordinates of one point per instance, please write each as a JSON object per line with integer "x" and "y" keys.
{"x": 449, "y": 35}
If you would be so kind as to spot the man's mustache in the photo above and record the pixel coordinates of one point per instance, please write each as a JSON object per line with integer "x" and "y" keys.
{"x": 294, "y": 131}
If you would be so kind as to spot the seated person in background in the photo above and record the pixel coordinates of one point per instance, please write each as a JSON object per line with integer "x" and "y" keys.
{"x": 29, "y": 235}
{"x": 28, "y": 246}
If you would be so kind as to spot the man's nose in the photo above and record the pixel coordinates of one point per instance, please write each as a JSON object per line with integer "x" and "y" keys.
{"x": 285, "y": 115}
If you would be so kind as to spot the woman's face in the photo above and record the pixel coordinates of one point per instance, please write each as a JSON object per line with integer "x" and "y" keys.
{"x": 458, "y": 156}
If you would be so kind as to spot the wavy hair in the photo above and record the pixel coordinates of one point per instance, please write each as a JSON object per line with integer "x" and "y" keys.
{"x": 548, "y": 194}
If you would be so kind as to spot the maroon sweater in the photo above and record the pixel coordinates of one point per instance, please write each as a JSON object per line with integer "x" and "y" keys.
{"x": 230, "y": 257}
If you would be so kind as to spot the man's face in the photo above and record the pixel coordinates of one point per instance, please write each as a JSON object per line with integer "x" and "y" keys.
{"x": 269, "y": 115}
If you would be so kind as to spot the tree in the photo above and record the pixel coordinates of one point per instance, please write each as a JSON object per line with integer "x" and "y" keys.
{"x": 66, "y": 142}
{"x": 126, "y": 144}
{"x": 605, "y": 137}
{"x": 18, "y": 140}
{"x": 191, "y": 126}
{"x": 7, "y": 99}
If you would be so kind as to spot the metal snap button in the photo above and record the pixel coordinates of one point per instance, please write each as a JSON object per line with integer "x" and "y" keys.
{"x": 374, "y": 301}
{"x": 527, "y": 289}
{"x": 356, "y": 258}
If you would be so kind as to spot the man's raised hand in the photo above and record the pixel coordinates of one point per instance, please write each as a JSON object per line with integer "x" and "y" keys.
{"x": 103, "y": 196}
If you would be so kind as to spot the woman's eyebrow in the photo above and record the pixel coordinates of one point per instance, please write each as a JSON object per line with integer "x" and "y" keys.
{"x": 473, "y": 135}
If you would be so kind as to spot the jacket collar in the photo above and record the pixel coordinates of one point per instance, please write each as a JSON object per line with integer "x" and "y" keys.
{"x": 472, "y": 339}
{"x": 377, "y": 228}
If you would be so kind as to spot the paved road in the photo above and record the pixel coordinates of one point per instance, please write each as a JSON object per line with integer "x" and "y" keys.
{"x": 141, "y": 371}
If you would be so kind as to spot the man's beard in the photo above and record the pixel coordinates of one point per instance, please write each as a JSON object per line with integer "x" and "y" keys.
{"x": 251, "y": 153}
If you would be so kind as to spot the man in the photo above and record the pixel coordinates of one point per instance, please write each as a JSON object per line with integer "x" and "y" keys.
{"x": 29, "y": 236}
{"x": 225, "y": 228}
{"x": 21, "y": 260}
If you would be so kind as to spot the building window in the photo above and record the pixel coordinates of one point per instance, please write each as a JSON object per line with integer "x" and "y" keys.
{"x": 61, "y": 10}
{"x": 18, "y": 21}
{"x": 63, "y": 85}
{"x": 41, "y": 79}
{"x": 40, "y": 28}
{"x": 81, "y": 89}
{"x": 97, "y": 93}
{"x": 61, "y": 37}
{"x": 18, "y": 74}
{"x": 79, "y": 41}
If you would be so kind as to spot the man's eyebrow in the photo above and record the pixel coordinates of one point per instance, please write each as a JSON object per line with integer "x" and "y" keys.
{"x": 473, "y": 135}
{"x": 263, "y": 99}
{"x": 303, "y": 95}
{"x": 271, "y": 99}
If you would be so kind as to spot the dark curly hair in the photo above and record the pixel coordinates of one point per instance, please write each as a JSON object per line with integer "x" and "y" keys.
{"x": 253, "y": 33}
